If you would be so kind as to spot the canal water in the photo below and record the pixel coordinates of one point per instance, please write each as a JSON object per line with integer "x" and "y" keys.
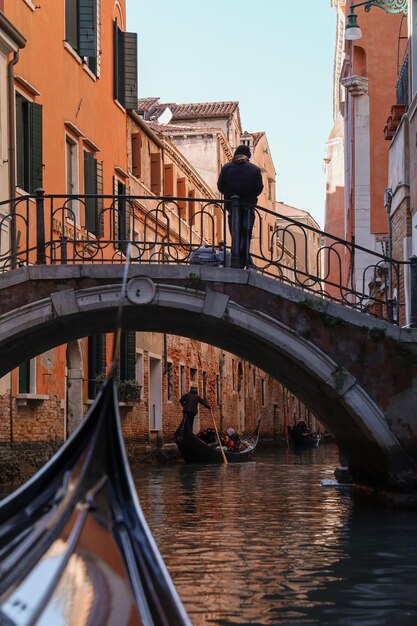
{"x": 266, "y": 543}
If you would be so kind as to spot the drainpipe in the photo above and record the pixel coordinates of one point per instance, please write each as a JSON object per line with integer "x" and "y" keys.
{"x": 390, "y": 299}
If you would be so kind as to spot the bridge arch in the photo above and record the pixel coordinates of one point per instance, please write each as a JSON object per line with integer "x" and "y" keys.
{"x": 70, "y": 303}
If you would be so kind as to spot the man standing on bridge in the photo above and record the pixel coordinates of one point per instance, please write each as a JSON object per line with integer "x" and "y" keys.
{"x": 241, "y": 183}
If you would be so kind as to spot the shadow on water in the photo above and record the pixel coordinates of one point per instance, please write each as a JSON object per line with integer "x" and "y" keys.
{"x": 265, "y": 543}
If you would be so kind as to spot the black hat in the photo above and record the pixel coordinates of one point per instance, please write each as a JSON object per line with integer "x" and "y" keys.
{"x": 243, "y": 149}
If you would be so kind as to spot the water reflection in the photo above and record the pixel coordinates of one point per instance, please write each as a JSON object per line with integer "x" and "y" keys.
{"x": 265, "y": 543}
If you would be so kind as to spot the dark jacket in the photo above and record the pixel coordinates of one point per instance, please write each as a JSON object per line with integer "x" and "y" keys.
{"x": 189, "y": 402}
{"x": 241, "y": 178}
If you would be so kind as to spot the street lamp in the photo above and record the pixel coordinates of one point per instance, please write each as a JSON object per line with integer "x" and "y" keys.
{"x": 353, "y": 31}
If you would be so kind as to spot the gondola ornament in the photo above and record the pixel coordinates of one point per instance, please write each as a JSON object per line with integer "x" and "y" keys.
{"x": 75, "y": 548}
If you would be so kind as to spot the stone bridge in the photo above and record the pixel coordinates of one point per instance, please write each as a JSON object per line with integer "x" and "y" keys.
{"x": 356, "y": 373}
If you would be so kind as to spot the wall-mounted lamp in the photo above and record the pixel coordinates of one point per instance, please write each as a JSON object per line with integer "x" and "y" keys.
{"x": 353, "y": 31}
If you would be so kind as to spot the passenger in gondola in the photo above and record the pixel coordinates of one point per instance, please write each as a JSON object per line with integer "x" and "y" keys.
{"x": 189, "y": 402}
{"x": 233, "y": 442}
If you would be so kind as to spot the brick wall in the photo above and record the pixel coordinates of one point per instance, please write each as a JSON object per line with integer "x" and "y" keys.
{"x": 38, "y": 421}
{"x": 401, "y": 228}
{"x": 5, "y": 418}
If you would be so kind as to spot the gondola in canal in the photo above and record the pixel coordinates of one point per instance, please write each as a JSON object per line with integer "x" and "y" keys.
{"x": 302, "y": 437}
{"x": 74, "y": 545}
{"x": 199, "y": 449}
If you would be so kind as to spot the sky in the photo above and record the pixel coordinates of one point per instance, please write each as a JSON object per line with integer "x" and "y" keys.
{"x": 273, "y": 56}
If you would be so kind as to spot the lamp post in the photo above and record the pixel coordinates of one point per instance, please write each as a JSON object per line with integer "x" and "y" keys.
{"x": 353, "y": 30}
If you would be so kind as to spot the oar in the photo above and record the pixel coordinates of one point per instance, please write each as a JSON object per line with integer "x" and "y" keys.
{"x": 218, "y": 437}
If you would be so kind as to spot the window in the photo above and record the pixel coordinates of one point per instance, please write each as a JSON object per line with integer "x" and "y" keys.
{"x": 170, "y": 381}
{"x": 136, "y": 141}
{"x": 125, "y": 87}
{"x": 156, "y": 173}
{"x": 270, "y": 190}
{"x": 122, "y": 215}
{"x": 96, "y": 363}
{"x": 193, "y": 377}
{"x": 263, "y": 391}
{"x": 218, "y": 390}
{"x": 82, "y": 28}
{"x": 91, "y": 187}
{"x": 71, "y": 148}
{"x": 233, "y": 376}
{"x": 181, "y": 193}
{"x": 28, "y": 144}
{"x": 127, "y": 361}
{"x": 27, "y": 376}
{"x": 182, "y": 380}
{"x": 168, "y": 179}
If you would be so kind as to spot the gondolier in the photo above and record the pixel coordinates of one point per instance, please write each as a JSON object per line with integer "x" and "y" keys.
{"x": 189, "y": 402}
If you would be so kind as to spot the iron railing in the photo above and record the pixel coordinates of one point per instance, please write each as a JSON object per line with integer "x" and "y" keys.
{"x": 51, "y": 229}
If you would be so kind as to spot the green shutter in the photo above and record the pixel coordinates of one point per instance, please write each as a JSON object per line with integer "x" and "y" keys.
{"x": 35, "y": 142}
{"x": 71, "y": 23}
{"x": 127, "y": 369}
{"x": 130, "y": 86}
{"x": 87, "y": 28}
{"x": 125, "y": 68}
{"x": 90, "y": 187}
{"x": 96, "y": 362}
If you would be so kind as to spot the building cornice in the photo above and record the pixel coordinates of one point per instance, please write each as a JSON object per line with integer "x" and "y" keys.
{"x": 11, "y": 31}
{"x": 143, "y": 126}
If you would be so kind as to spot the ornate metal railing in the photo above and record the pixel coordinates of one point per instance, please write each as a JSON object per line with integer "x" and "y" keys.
{"x": 61, "y": 229}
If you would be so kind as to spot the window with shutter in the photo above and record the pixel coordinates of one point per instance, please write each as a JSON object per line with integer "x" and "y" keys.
{"x": 136, "y": 154}
{"x": 125, "y": 46}
{"x": 156, "y": 173}
{"x": 127, "y": 364}
{"x": 90, "y": 187}
{"x": 24, "y": 377}
{"x": 82, "y": 28}
{"x": 27, "y": 376}
{"x": 71, "y": 156}
{"x": 181, "y": 193}
{"x": 122, "y": 216}
{"x": 28, "y": 144}
{"x": 36, "y": 146}
{"x": 169, "y": 179}
{"x": 96, "y": 363}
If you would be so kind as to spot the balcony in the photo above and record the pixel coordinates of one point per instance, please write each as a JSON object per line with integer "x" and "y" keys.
{"x": 393, "y": 121}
